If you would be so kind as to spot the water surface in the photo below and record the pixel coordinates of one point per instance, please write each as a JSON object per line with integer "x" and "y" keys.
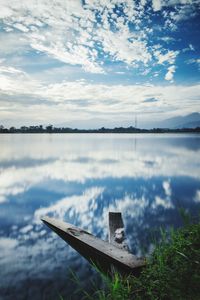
{"x": 79, "y": 178}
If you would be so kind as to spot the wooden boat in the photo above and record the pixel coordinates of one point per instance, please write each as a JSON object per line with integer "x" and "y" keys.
{"x": 104, "y": 255}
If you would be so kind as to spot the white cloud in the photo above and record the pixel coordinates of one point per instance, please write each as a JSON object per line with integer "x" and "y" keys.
{"x": 26, "y": 229}
{"x": 9, "y": 70}
{"x": 189, "y": 48}
{"x": 16, "y": 82}
{"x": 184, "y": 9}
{"x": 168, "y": 57}
{"x": 157, "y": 5}
{"x": 25, "y": 98}
{"x": 72, "y": 32}
{"x": 21, "y": 27}
{"x": 60, "y": 35}
{"x": 13, "y": 43}
{"x": 170, "y": 73}
{"x": 168, "y": 39}
{"x": 195, "y": 61}
{"x": 74, "y": 55}
{"x": 7, "y": 244}
{"x": 118, "y": 45}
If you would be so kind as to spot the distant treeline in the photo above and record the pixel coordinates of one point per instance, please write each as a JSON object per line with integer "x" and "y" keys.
{"x": 52, "y": 129}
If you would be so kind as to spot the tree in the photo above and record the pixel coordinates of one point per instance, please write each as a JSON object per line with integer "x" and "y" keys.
{"x": 49, "y": 128}
{"x": 12, "y": 129}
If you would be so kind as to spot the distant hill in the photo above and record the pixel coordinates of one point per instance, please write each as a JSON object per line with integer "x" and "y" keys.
{"x": 189, "y": 125}
{"x": 188, "y": 121}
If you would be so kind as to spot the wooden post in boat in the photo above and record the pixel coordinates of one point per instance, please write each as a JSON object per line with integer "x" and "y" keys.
{"x": 117, "y": 231}
{"x": 104, "y": 255}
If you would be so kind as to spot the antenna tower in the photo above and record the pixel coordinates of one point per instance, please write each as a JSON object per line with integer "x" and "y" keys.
{"x": 135, "y": 121}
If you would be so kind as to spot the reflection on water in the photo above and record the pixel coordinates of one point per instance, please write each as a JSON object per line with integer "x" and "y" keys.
{"x": 79, "y": 178}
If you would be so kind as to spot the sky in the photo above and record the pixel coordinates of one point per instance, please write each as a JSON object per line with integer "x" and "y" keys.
{"x": 95, "y": 63}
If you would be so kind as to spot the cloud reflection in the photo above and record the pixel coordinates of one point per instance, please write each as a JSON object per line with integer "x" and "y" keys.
{"x": 102, "y": 161}
{"x": 80, "y": 178}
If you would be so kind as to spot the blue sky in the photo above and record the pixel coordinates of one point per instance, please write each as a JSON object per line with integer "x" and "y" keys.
{"x": 98, "y": 63}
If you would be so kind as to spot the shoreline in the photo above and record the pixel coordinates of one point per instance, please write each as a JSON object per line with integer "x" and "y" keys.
{"x": 104, "y": 131}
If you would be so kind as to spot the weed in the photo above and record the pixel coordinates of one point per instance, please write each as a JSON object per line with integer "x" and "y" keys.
{"x": 172, "y": 271}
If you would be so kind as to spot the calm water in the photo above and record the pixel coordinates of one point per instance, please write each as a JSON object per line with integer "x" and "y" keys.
{"x": 79, "y": 178}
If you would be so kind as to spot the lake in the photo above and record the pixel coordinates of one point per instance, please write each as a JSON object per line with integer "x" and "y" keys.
{"x": 79, "y": 178}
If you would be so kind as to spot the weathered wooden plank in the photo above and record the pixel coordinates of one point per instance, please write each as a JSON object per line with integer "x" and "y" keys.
{"x": 103, "y": 254}
{"x": 117, "y": 231}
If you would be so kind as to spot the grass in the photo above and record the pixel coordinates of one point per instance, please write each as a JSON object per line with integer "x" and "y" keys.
{"x": 172, "y": 271}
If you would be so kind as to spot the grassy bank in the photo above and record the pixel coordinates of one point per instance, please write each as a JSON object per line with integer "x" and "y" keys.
{"x": 172, "y": 272}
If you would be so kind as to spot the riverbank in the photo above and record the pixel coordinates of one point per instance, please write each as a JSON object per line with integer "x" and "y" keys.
{"x": 172, "y": 272}
{"x": 51, "y": 129}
